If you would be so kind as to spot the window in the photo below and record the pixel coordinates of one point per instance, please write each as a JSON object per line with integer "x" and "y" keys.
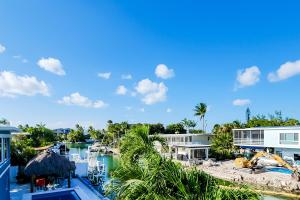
{"x": 0, "y": 150}
{"x": 289, "y": 138}
{"x": 5, "y": 145}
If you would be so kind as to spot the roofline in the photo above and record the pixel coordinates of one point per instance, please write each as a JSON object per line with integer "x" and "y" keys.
{"x": 269, "y": 128}
{"x": 9, "y": 128}
{"x": 186, "y": 134}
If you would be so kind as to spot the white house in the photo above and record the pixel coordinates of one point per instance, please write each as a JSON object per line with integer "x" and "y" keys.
{"x": 186, "y": 146}
{"x": 283, "y": 141}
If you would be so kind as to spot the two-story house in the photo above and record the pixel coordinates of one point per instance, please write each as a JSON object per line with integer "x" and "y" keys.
{"x": 283, "y": 141}
{"x": 186, "y": 146}
{"x": 5, "y": 134}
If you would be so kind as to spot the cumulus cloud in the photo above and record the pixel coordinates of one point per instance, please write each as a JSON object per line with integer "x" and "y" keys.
{"x": 126, "y": 76}
{"x": 121, "y": 90}
{"x": 12, "y": 85}
{"x": 248, "y": 77}
{"x": 2, "y": 48}
{"x": 78, "y": 100}
{"x": 105, "y": 75}
{"x": 285, "y": 71}
{"x": 162, "y": 71}
{"x": 152, "y": 92}
{"x": 52, "y": 65}
{"x": 241, "y": 102}
{"x": 169, "y": 110}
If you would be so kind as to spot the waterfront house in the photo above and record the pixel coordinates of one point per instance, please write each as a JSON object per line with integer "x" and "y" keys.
{"x": 5, "y": 134}
{"x": 284, "y": 141}
{"x": 186, "y": 146}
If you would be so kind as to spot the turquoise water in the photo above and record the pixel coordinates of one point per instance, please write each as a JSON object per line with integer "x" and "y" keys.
{"x": 281, "y": 170}
{"x": 110, "y": 161}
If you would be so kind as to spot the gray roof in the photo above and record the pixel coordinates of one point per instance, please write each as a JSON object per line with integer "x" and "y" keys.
{"x": 271, "y": 128}
{"x": 9, "y": 128}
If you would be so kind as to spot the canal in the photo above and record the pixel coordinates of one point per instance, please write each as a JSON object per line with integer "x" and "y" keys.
{"x": 111, "y": 163}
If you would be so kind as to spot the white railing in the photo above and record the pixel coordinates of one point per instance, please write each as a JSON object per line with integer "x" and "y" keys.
{"x": 241, "y": 141}
{"x": 292, "y": 142}
{"x": 187, "y": 143}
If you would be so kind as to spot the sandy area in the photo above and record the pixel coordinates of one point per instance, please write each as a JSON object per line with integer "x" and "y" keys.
{"x": 271, "y": 180}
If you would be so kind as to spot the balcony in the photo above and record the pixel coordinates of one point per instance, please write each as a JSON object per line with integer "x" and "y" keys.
{"x": 187, "y": 143}
{"x": 242, "y": 141}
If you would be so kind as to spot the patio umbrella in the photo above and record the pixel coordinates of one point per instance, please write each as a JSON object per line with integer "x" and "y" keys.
{"x": 49, "y": 163}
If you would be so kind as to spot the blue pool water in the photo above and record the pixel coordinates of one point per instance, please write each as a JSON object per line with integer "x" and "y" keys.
{"x": 62, "y": 195}
{"x": 281, "y": 170}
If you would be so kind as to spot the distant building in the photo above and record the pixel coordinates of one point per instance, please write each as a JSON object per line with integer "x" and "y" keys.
{"x": 5, "y": 134}
{"x": 284, "y": 141}
{"x": 62, "y": 131}
{"x": 186, "y": 146}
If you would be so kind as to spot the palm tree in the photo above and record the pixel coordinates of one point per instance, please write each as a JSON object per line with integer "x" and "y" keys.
{"x": 188, "y": 124}
{"x": 200, "y": 111}
{"x": 4, "y": 121}
{"x": 143, "y": 174}
{"x": 138, "y": 143}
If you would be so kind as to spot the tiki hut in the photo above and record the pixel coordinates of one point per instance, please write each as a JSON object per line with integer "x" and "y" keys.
{"x": 49, "y": 163}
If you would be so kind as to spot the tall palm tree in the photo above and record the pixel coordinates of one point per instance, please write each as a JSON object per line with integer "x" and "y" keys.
{"x": 200, "y": 111}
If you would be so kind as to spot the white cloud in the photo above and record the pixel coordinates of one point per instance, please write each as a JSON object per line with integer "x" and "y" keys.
{"x": 248, "y": 76}
{"x": 126, "y": 76}
{"x": 12, "y": 85}
{"x": 241, "y": 102}
{"x": 169, "y": 110}
{"x": 52, "y": 65}
{"x": 2, "y": 48}
{"x": 78, "y": 100}
{"x": 285, "y": 71}
{"x": 152, "y": 92}
{"x": 19, "y": 57}
{"x": 121, "y": 90}
{"x": 105, "y": 75}
{"x": 162, "y": 71}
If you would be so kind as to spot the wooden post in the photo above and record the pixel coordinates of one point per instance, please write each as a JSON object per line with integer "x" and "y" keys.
{"x": 32, "y": 183}
{"x": 69, "y": 180}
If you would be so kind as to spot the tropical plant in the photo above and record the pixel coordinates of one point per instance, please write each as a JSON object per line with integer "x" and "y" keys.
{"x": 188, "y": 124}
{"x": 200, "y": 111}
{"x": 39, "y": 135}
{"x": 137, "y": 143}
{"x": 95, "y": 134}
{"x": 76, "y": 135}
{"x": 4, "y": 121}
{"x": 175, "y": 129}
{"x": 144, "y": 175}
{"x": 222, "y": 146}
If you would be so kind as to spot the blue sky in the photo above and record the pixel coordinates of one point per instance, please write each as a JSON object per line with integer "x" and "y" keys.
{"x": 52, "y": 52}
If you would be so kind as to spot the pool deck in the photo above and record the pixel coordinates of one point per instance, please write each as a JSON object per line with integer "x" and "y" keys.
{"x": 18, "y": 190}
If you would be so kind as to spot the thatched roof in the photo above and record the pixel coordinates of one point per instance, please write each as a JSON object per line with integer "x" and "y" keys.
{"x": 49, "y": 164}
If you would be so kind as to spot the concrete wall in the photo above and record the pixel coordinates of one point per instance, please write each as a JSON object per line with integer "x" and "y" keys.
{"x": 272, "y": 138}
{"x": 4, "y": 181}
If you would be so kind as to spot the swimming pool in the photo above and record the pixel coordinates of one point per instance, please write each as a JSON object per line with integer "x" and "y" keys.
{"x": 63, "y": 194}
{"x": 280, "y": 170}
